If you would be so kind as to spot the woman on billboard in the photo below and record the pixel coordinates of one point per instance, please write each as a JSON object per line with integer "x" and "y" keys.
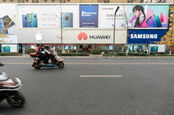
{"x": 139, "y": 15}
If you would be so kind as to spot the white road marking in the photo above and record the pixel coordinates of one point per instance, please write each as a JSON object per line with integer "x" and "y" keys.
{"x": 100, "y": 76}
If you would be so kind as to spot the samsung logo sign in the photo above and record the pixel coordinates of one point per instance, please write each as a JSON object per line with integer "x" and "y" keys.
{"x": 144, "y": 36}
{"x": 88, "y": 13}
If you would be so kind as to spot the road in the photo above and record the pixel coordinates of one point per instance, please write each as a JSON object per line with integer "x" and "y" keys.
{"x": 140, "y": 87}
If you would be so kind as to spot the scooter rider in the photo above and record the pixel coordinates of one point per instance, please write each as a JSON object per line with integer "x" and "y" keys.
{"x": 37, "y": 50}
{"x": 41, "y": 55}
{"x": 44, "y": 55}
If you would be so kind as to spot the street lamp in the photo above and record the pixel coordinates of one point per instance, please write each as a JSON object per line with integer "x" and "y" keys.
{"x": 61, "y": 31}
{"x": 114, "y": 29}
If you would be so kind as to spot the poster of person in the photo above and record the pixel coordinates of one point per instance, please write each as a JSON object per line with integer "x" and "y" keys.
{"x": 147, "y": 16}
{"x": 156, "y": 1}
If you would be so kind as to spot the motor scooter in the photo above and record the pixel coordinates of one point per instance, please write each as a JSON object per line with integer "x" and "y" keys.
{"x": 9, "y": 90}
{"x": 53, "y": 61}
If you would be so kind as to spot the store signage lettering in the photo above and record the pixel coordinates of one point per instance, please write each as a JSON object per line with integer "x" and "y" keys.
{"x": 88, "y": 13}
{"x": 84, "y": 36}
{"x": 143, "y": 36}
{"x": 100, "y": 37}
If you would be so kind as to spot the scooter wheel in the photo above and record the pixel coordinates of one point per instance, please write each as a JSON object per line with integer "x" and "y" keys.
{"x": 16, "y": 99}
{"x": 37, "y": 67}
{"x": 60, "y": 65}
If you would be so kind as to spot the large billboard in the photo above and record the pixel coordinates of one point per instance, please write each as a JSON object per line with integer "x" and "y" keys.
{"x": 94, "y": 36}
{"x": 88, "y": 15}
{"x": 147, "y": 16}
{"x": 38, "y": 16}
{"x": 134, "y": 16}
{"x": 106, "y": 16}
{"x": 143, "y": 36}
{"x": 156, "y": 1}
{"x": 8, "y": 23}
{"x": 69, "y": 15}
{"x": 7, "y": 19}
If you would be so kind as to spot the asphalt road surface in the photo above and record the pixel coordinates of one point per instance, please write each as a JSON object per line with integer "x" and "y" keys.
{"x": 94, "y": 87}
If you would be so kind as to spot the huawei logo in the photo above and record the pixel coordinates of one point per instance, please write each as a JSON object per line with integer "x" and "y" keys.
{"x": 82, "y": 35}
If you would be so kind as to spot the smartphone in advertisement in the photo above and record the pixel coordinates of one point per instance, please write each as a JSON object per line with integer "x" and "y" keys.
{"x": 150, "y": 22}
{"x": 29, "y": 20}
{"x": 67, "y": 20}
{"x": 34, "y": 20}
{"x": 157, "y": 21}
{"x": 24, "y": 20}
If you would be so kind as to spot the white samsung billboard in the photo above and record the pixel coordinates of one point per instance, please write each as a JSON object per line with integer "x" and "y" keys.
{"x": 106, "y": 16}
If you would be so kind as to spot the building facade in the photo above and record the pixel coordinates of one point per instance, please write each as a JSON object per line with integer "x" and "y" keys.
{"x": 86, "y": 1}
{"x": 81, "y": 27}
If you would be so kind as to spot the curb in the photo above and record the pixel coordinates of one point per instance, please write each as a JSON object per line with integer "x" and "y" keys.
{"x": 96, "y": 57}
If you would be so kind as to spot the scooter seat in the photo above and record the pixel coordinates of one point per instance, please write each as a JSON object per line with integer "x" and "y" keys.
{"x": 3, "y": 76}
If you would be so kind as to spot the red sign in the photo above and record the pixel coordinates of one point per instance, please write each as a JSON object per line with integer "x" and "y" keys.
{"x": 82, "y": 35}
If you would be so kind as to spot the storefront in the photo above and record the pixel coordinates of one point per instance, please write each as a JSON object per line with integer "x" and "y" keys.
{"x": 9, "y": 43}
{"x": 139, "y": 39}
{"x": 89, "y": 39}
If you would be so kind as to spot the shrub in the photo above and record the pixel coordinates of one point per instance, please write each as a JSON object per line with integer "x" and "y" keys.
{"x": 72, "y": 54}
{"x": 120, "y": 54}
{"x": 107, "y": 55}
{"x": 95, "y": 51}
{"x": 9, "y": 54}
{"x": 31, "y": 50}
{"x": 138, "y": 54}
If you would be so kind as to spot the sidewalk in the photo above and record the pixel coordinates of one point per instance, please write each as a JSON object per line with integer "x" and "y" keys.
{"x": 92, "y": 56}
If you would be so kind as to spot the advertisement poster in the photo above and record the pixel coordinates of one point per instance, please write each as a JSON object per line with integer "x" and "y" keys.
{"x": 7, "y": 20}
{"x": 70, "y": 15}
{"x": 157, "y": 48}
{"x": 48, "y": 20}
{"x": 156, "y": 1}
{"x": 67, "y": 20}
{"x": 29, "y": 20}
{"x": 143, "y": 36}
{"x": 9, "y": 48}
{"x": 38, "y": 16}
{"x": 106, "y": 16}
{"x": 147, "y": 16}
{"x": 9, "y": 39}
{"x": 89, "y": 15}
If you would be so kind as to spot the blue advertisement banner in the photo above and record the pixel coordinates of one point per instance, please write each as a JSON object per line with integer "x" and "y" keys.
{"x": 88, "y": 15}
{"x": 143, "y": 36}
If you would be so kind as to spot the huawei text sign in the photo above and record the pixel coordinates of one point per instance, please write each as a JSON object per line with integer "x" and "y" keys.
{"x": 84, "y": 36}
